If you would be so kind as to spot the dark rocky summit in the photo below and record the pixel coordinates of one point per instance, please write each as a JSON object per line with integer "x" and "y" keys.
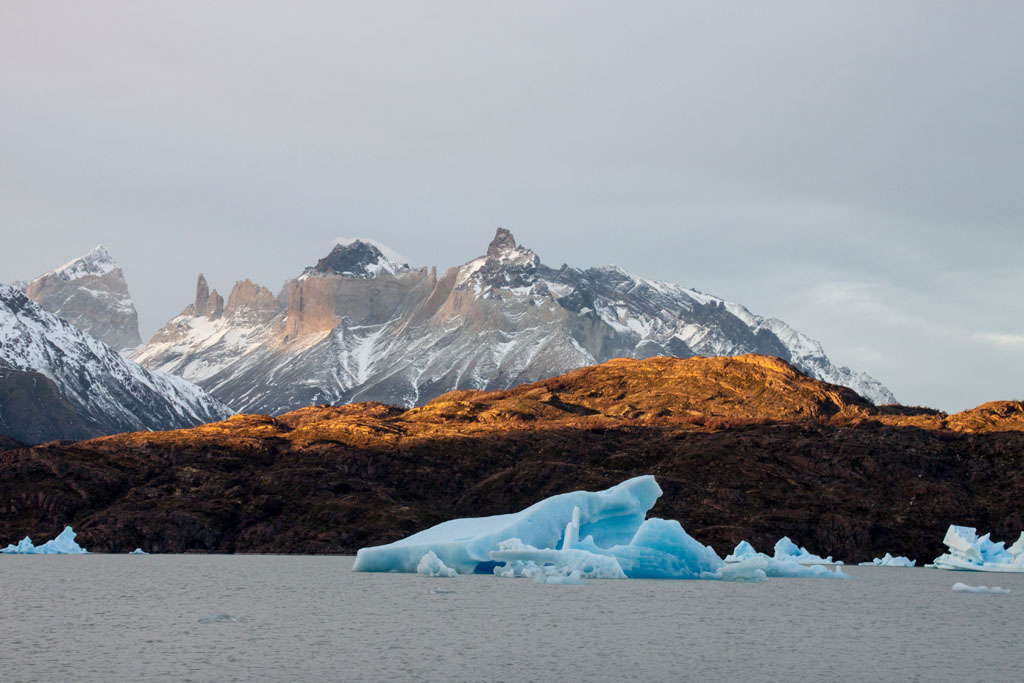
{"x": 744, "y": 448}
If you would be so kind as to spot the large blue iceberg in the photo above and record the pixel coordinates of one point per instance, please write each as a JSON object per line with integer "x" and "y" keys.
{"x": 968, "y": 552}
{"x": 572, "y": 537}
{"x": 64, "y": 544}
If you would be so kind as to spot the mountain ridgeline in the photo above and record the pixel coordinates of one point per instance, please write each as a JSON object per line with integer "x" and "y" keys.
{"x": 359, "y": 326}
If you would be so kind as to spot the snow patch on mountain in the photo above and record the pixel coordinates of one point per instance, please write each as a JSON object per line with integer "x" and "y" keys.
{"x": 97, "y": 262}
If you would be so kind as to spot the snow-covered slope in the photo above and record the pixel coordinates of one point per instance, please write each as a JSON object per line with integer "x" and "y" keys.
{"x": 61, "y": 383}
{"x": 90, "y": 292}
{"x": 357, "y": 326}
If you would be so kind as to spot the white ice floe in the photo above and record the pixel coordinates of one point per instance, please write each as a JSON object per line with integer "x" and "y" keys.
{"x": 785, "y": 550}
{"x": 964, "y": 588}
{"x": 432, "y": 566}
{"x": 577, "y": 536}
{"x": 138, "y": 551}
{"x": 969, "y": 552}
{"x": 777, "y": 568}
{"x": 889, "y": 561}
{"x": 64, "y": 544}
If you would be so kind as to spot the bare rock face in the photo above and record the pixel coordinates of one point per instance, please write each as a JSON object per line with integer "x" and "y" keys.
{"x": 251, "y": 304}
{"x": 90, "y": 292}
{"x": 357, "y": 326}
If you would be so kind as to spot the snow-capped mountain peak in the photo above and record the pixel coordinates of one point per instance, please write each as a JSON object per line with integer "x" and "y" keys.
{"x": 97, "y": 261}
{"x": 91, "y": 293}
{"x": 357, "y": 258}
{"x": 504, "y": 250}
{"x": 506, "y": 264}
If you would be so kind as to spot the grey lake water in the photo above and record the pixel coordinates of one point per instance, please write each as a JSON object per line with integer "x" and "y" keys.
{"x": 287, "y": 618}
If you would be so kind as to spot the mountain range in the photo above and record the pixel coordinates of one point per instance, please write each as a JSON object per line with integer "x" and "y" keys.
{"x": 359, "y": 326}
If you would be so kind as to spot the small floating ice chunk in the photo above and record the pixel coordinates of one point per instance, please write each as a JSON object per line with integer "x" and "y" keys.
{"x": 574, "y": 579}
{"x": 431, "y": 565}
{"x": 775, "y": 568}
{"x": 890, "y": 561}
{"x": 64, "y": 544}
{"x": 138, "y": 551}
{"x": 785, "y": 549}
{"x": 964, "y": 588}
{"x": 24, "y": 547}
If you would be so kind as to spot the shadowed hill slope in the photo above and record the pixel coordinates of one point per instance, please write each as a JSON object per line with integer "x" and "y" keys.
{"x": 744, "y": 447}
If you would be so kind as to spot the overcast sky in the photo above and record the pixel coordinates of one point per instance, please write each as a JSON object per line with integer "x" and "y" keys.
{"x": 855, "y": 169}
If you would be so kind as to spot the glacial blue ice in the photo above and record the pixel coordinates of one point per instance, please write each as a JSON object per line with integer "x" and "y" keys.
{"x": 742, "y": 551}
{"x": 516, "y": 558}
{"x": 889, "y": 561}
{"x": 138, "y": 551}
{"x": 64, "y": 544}
{"x": 968, "y": 552}
{"x": 432, "y": 566}
{"x": 785, "y": 549}
{"x": 777, "y": 568}
{"x": 611, "y": 517}
{"x": 573, "y": 537}
{"x": 964, "y": 588}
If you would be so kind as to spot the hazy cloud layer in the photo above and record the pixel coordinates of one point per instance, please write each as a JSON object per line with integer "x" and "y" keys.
{"x": 853, "y": 170}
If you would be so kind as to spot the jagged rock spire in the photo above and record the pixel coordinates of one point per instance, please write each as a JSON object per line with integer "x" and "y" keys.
{"x": 503, "y": 241}
{"x": 208, "y": 303}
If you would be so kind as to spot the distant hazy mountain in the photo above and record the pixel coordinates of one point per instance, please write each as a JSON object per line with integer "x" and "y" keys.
{"x": 57, "y": 382}
{"x": 90, "y": 292}
{"x": 357, "y": 326}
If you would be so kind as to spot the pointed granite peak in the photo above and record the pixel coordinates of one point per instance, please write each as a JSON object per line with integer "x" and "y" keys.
{"x": 504, "y": 252}
{"x": 208, "y": 303}
{"x": 506, "y": 264}
{"x": 202, "y": 295}
{"x": 503, "y": 242}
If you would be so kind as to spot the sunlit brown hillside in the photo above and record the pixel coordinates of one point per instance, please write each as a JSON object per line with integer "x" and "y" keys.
{"x": 744, "y": 447}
